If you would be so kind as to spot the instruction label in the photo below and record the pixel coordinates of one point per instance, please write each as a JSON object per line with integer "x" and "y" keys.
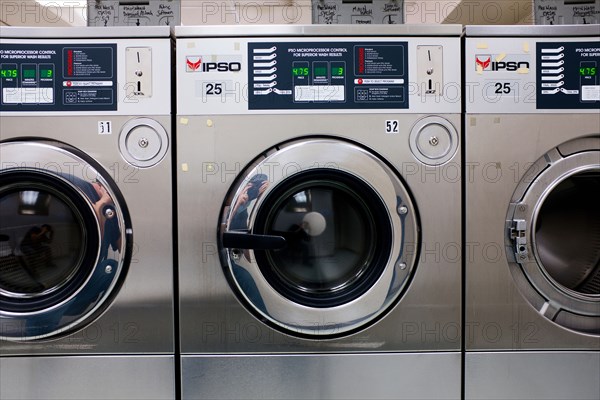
{"x": 318, "y": 75}
{"x": 567, "y": 75}
{"x": 38, "y": 77}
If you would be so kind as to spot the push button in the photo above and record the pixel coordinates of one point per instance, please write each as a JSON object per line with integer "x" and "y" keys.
{"x": 143, "y": 142}
{"x": 433, "y": 140}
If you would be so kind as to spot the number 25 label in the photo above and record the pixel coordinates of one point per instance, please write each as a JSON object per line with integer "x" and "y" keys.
{"x": 212, "y": 88}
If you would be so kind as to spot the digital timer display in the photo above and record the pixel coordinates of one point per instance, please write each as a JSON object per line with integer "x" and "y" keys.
{"x": 29, "y": 73}
{"x": 301, "y": 71}
{"x": 337, "y": 71}
{"x": 587, "y": 71}
{"x": 321, "y": 71}
{"x": 8, "y": 73}
{"x": 46, "y": 73}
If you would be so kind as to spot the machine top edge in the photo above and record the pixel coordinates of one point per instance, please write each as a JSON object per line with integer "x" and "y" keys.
{"x": 531, "y": 30}
{"x": 21, "y": 32}
{"x": 317, "y": 30}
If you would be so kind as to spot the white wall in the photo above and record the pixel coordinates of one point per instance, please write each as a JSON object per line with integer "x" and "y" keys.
{"x": 469, "y": 12}
{"x": 491, "y": 12}
{"x": 211, "y": 12}
{"x": 43, "y": 12}
{"x": 228, "y": 12}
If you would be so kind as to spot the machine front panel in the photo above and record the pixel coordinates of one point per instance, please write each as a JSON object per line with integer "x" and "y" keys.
{"x": 318, "y": 75}
{"x": 529, "y": 75}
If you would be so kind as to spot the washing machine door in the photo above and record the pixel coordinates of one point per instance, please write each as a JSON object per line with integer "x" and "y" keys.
{"x": 65, "y": 240}
{"x": 319, "y": 237}
{"x": 553, "y": 235}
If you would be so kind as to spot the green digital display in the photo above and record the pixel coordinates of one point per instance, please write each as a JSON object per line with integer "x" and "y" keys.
{"x": 46, "y": 73}
{"x": 320, "y": 71}
{"x": 587, "y": 71}
{"x": 29, "y": 73}
{"x": 8, "y": 73}
{"x": 302, "y": 71}
{"x": 337, "y": 71}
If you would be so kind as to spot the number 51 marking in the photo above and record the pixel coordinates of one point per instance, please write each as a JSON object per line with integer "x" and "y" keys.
{"x": 104, "y": 128}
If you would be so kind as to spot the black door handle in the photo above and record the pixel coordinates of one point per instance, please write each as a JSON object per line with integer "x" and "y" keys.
{"x": 239, "y": 240}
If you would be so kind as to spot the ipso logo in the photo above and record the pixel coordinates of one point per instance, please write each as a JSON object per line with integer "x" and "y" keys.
{"x": 195, "y": 64}
{"x": 483, "y": 62}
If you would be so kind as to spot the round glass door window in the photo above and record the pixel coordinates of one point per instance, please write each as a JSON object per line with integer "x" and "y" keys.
{"x": 336, "y": 232}
{"x": 65, "y": 240}
{"x": 44, "y": 240}
{"x": 321, "y": 251}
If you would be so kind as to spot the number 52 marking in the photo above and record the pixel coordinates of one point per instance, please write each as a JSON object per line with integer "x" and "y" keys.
{"x": 392, "y": 126}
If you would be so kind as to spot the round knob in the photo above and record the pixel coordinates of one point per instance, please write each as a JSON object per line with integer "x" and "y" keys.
{"x": 143, "y": 142}
{"x": 433, "y": 140}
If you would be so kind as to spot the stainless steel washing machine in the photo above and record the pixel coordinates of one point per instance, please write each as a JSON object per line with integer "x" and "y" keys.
{"x": 532, "y": 134}
{"x": 319, "y": 224}
{"x": 86, "y": 277}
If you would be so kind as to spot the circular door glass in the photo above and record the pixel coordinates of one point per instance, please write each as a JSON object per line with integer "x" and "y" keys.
{"x": 337, "y": 235}
{"x": 567, "y": 233}
{"x": 42, "y": 239}
{"x": 320, "y": 247}
{"x": 48, "y": 239}
{"x": 65, "y": 240}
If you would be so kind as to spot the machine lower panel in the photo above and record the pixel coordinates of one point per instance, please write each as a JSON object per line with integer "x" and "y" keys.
{"x": 532, "y": 375}
{"x": 324, "y": 376}
{"x": 91, "y": 377}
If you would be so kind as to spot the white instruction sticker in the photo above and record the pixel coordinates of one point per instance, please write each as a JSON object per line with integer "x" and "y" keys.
{"x": 590, "y": 93}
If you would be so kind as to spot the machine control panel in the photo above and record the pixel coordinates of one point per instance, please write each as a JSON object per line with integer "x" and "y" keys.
{"x": 567, "y": 75}
{"x": 57, "y": 77}
{"x": 327, "y": 75}
{"x": 523, "y": 75}
{"x": 305, "y": 75}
